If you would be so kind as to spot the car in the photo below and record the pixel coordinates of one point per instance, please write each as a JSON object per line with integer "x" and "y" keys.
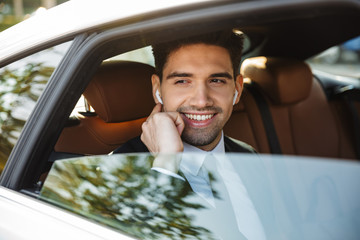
{"x": 75, "y": 85}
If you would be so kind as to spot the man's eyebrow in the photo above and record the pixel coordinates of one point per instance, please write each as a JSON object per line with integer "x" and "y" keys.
{"x": 221, "y": 75}
{"x": 184, "y": 74}
{"x": 178, "y": 74}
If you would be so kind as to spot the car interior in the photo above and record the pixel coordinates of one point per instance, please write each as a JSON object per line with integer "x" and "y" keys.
{"x": 284, "y": 109}
{"x": 101, "y": 131}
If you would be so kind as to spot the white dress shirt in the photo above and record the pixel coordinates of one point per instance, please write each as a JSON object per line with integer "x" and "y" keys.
{"x": 192, "y": 166}
{"x": 194, "y": 171}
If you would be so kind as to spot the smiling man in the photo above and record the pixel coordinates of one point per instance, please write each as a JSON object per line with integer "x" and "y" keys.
{"x": 195, "y": 87}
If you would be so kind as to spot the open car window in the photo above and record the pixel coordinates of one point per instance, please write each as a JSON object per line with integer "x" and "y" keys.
{"x": 342, "y": 60}
{"x": 232, "y": 196}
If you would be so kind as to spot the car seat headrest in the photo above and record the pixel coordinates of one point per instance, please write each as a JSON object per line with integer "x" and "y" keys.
{"x": 121, "y": 91}
{"x": 284, "y": 81}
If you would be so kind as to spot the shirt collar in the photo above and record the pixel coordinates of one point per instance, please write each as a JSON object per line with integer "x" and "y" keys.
{"x": 194, "y": 162}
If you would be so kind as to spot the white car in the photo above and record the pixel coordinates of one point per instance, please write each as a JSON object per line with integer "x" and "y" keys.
{"x": 75, "y": 85}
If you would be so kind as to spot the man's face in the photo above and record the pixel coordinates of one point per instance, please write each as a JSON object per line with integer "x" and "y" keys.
{"x": 198, "y": 82}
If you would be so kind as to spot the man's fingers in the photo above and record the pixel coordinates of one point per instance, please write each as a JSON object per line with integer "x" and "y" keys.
{"x": 179, "y": 123}
{"x": 162, "y": 130}
{"x": 175, "y": 116}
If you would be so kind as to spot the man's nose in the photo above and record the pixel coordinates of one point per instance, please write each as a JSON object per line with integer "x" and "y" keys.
{"x": 201, "y": 97}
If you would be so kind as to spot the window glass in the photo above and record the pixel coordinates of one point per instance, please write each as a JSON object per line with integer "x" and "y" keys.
{"x": 21, "y": 84}
{"x": 228, "y": 196}
{"x": 342, "y": 60}
{"x": 143, "y": 55}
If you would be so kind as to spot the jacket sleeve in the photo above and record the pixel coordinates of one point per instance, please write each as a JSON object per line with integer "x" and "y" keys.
{"x": 134, "y": 145}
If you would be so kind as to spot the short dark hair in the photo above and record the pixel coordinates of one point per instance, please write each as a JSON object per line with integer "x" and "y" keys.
{"x": 230, "y": 40}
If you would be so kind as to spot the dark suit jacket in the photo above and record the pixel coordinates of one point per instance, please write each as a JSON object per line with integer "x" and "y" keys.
{"x": 231, "y": 145}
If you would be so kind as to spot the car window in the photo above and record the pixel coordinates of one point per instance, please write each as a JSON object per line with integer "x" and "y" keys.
{"x": 21, "y": 84}
{"x": 230, "y": 196}
{"x": 342, "y": 60}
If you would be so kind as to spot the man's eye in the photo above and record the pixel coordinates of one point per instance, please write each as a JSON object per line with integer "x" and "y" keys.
{"x": 217, "y": 80}
{"x": 180, "y": 81}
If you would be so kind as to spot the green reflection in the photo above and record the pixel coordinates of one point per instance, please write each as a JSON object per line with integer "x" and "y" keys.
{"x": 19, "y": 88}
{"x": 123, "y": 192}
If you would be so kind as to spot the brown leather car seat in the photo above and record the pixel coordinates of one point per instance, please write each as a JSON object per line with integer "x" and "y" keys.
{"x": 247, "y": 127}
{"x": 120, "y": 93}
{"x": 303, "y": 119}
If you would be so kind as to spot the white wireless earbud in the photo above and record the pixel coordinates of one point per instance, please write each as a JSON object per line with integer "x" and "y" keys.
{"x": 235, "y": 96}
{"x": 158, "y": 96}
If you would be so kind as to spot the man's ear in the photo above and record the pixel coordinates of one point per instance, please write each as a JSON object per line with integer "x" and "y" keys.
{"x": 239, "y": 82}
{"x": 155, "y": 80}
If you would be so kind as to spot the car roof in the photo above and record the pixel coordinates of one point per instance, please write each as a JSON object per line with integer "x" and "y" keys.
{"x": 284, "y": 28}
{"x": 76, "y": 16}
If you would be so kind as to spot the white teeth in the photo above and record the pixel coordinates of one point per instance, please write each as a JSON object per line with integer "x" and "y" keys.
{"x": 199, "y": 117}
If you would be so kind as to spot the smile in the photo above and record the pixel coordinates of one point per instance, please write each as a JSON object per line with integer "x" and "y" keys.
{"x": 198, "y": 117}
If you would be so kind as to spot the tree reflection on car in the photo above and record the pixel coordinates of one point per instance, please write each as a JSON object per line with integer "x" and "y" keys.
{"x": 125, "y": 193}
{"x": 19, "y": 88}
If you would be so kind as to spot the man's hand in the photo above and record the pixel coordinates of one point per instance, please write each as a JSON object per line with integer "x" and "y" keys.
{"x": 162, "y": 130}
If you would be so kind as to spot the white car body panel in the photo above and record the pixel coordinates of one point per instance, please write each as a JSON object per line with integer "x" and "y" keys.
{"x": 32, "y": 218}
